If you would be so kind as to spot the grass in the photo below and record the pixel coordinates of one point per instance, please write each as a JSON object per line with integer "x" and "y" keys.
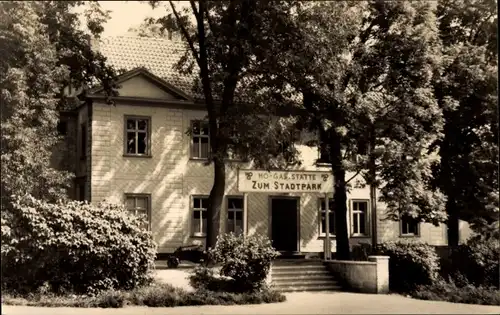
{"x": 155, "y": 295}
{"x": 450, "y": 292}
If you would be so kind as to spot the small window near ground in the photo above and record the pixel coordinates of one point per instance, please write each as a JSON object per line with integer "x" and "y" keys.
{"x": 322, "y": 210}
{"x": 199, "y": 219}
{"x": 200, "y": 144}
{"x": 409, "y": 226}
{"x": 138, "y": 205}
{"x": 235, "y": 210}
{"x": 137, "y": 135}
{"x": 359, "y": 218}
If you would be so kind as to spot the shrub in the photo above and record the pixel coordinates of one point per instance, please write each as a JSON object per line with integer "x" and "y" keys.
{"x": 247, "y": 260}
{"x": 450, "y": 291}
{"x": 478, "y": 261}
{"x": 74, "y": 247}
{"x": 361, "y": 251}
{"x": 156, "y": 295}
{"x": 410, "y": 264}
{"x": 204, "y": 278}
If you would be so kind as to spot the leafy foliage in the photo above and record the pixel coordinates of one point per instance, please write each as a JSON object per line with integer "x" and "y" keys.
{"x": 467, "y": 91}
{"x": 221, "y": 39}
{"x": 43, "y": 51}
{"x": 449, "y": 291}
{"x": 74, "y": 247}
{"x": 410, "y": 264}
{"x": 366, "y": 83}
{"x": 247, "y": 260}
{"x": 478, "y": 261}
{"x": 154, "y": 295}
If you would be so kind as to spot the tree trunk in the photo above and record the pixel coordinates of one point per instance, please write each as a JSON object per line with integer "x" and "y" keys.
{"x": 372, "y": 181}
{"x": 215, "y": 202}
{"x": 453, "y": 223}
{"x": 340, "y": 200}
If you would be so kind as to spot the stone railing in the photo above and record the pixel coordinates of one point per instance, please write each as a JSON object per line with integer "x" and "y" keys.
{"x": 370, "y": 276}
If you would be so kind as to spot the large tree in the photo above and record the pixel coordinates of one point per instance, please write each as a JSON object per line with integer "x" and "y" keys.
{"x": 365, "y": 77}
{"x": 221, "y": 37}
{"x": 467, "y": 92}
{"x": 43, "y": 51}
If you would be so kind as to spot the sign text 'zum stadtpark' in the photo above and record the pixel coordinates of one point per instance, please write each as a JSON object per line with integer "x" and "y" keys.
{"x": 285, "y": 181}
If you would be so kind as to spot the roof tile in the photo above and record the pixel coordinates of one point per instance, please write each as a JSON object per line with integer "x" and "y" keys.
{"x": 159, "y": 56}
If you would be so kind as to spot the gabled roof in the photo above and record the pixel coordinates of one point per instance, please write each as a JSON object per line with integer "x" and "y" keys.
{"x": 157, "y": 56}
{"x": 169, "y": 88}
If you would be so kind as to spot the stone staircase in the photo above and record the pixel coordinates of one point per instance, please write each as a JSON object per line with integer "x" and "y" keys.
{"x": 294, "y": 275}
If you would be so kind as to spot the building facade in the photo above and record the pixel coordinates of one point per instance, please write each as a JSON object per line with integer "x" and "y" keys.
{"x": 137, "y": 152}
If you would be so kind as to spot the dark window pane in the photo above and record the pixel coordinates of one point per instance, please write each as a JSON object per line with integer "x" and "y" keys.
{"x": 204, "y": 129}
{"x": 204, "y": 215}
{"x": 355, "y": 223}
{"x": 196, "y": 128}
{"x": 142, "y": 145}
{"x": 362, "y": 223}
{"x": 332, "y": 223}
{"x": 239, "y": 215}
{"x": 196, "y": 202}
{"x": 405, "y": 227}
{"x": 204, "y": 148}
{"x": 322, "y": 204}
{"x": 131, "y": 124}
{"x": 130, "y": 203}
{"x": 230, "y": 215}
{"x": 196, "y": 214}
{"x": 204, "y": 203}
{"x": 141, "y": 203}
{"x": 195, "y": 147}
{"x": 239, "y": 227}
{"x": 235, "y": 203}
{"x": 362, "y": 206}
{"x": 230, "y": 225}
{"x": 62, "y": 128}
{"x": 323, "y": 223}
{"x": 204, "y": 229}
{"x": 142, "y": 124}
{"x": 131, "y": 142}
{"x": 196, "y": 225}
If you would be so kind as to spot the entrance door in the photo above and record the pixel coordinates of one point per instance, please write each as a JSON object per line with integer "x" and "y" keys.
{"x": 284, "y": 231}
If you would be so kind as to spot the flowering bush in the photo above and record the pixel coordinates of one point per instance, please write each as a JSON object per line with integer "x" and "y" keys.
{"x": 247, "y": 260}
{"x": 410, "y": 264}
{"x": 73, "y": 247}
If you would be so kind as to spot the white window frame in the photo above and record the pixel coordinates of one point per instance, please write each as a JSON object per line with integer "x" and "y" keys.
{"x": 136, "y": 196}
{"x": 322, "y": 212}
{"x": 199, "y": 233}
{"x": 235, "y": 210}
{"x": 136, "y": 130}
{"x": 408, "y": 223}
{"x": 357, "y": 212}
{"x": 199, "y": 136}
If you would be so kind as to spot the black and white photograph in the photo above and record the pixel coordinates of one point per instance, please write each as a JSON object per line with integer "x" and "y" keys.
{"x": 249, "y": 157}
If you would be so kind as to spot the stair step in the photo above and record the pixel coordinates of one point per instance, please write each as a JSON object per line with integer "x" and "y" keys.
{"x": 298, "y": 269}
{"x": 287, "y": 272}
{"x": 309, "y": 288}
{"x": 301, "y": 278}
{"x": 298, "y": 263}
{"x": 297, "y": 282}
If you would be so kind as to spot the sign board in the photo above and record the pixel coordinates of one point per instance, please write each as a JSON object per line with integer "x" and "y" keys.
{"x": 285, "y": 181}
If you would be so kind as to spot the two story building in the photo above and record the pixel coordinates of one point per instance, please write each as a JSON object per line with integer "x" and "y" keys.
{"x": 137, "y": 152}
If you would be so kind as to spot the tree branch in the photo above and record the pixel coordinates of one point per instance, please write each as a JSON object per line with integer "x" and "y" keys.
{"x": 185, "y": 33}
{"x": 357, "y": 173}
